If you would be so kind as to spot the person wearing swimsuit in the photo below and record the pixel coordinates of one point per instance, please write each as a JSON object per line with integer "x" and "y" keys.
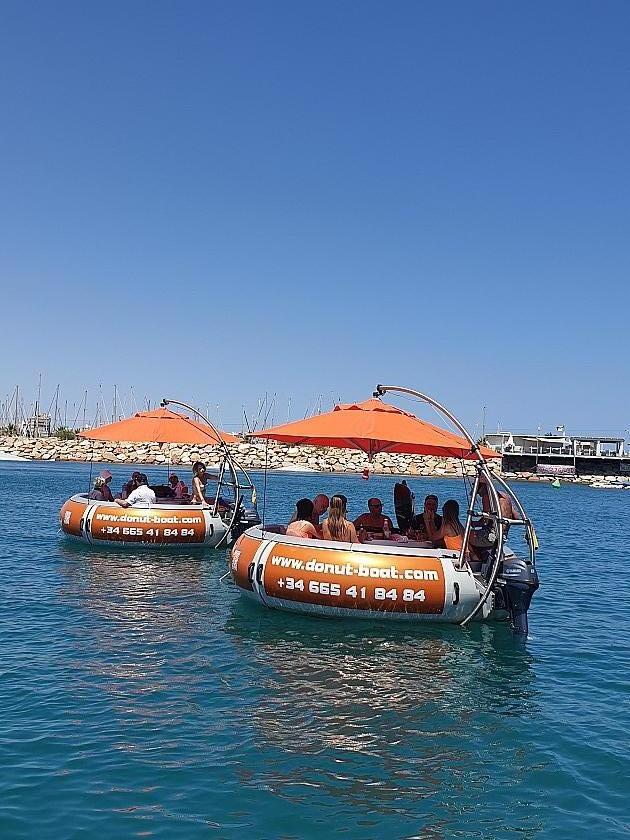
{"x": 452, "y": 530}
{"x": 301, "y": 525}
{"x": 337, "y": 527}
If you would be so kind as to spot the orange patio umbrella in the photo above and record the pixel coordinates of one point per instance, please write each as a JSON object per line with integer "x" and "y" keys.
{"x": 374, "y": 426}
{"x": 159, "y": 426}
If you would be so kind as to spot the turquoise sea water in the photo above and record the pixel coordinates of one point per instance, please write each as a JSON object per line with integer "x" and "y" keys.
{"x": 141, "y": 696}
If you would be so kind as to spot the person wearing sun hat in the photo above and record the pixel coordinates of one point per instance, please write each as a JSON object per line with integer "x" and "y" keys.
{"x": 106, "y": 476}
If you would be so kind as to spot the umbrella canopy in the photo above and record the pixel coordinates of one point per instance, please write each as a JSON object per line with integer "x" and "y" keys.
{"x": 375, "y": 426}
{"x": 159, "y": 426}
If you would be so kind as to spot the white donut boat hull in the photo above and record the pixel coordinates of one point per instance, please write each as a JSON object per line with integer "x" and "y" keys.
{"x": 344, "y": 580}
{"x": 160, "y": 526}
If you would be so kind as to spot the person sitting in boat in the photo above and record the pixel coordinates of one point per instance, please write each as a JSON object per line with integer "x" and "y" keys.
{"x": 418, "y": 523}
{"x": 451, "y": 531}
{"x": 199, "y": 482}
{"x": 97, "y": 494}
{"x": 131, "y": 485}
{"x": 451, "y": 534}
{"x": 141, "y": 497}
{"x": 180, "y": 490}
{"x": 302, "y": 525}
{"x": 374, "y": 522}
{"x": 106, "y": 476}
{"x": 320, "y": 506}
{"x": 337, "y": 527}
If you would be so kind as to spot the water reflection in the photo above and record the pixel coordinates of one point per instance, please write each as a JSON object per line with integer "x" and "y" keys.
{"x": 155, "y": 594}
{"x": 133, "y": 620}
{"x": 396, "y": 711}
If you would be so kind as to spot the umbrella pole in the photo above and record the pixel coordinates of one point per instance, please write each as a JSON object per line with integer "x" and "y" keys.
{"x": 264, "y": 510}
{"x": 91, "y": 467}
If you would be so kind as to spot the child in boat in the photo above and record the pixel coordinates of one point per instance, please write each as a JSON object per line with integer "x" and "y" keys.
{"x": 180, "y": 491}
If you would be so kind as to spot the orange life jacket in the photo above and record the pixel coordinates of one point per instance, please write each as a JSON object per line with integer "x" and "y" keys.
{"x": 454, "y": 543}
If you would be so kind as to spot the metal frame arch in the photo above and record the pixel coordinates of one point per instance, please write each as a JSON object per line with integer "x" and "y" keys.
{"x": 482, "y": 469}
{"x": 229, "y": 459}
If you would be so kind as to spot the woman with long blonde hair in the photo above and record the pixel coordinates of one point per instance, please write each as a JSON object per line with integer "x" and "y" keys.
{"x": 337, "y": 527}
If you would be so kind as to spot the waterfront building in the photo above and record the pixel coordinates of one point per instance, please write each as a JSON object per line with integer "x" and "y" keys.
{"x": 561, "y": 454}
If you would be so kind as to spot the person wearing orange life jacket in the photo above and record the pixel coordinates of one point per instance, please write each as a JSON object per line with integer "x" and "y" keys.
{"x": 451, "y": 532}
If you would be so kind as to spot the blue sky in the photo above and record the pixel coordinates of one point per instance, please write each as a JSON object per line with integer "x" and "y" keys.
{"x": 221, "y": 200}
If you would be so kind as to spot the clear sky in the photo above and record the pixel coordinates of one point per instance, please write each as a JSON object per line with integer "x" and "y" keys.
{"x": 215, "y": 200}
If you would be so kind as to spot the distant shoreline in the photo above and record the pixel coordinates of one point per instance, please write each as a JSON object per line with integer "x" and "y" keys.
{"x": 251, "y": 455}
{"x": 277, "y": 457}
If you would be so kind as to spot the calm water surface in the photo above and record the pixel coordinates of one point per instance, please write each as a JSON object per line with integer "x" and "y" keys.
{"x": 141, "y": 696}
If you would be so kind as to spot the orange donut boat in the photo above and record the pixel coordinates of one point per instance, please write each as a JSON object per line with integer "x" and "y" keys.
{"x": 345, "y": 580}
{"x": 166, "y": 524}
{"x": 392, "y": 579}
{"x": 352, "y": 580}
{"x": 103, "y": 523}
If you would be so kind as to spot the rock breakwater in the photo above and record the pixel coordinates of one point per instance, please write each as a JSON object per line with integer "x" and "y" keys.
{"x": 252, "y": 455}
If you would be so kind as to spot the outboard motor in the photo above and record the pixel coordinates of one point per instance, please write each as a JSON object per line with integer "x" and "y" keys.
{"x": 248, "y": 517}
{"x": 516, "y": 584}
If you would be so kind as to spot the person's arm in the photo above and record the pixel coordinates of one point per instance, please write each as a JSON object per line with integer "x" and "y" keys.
{"x": 358, "y": 522}
{"x": 353, "y": 534}
{"x": 312, "y": 532}
{"x": 436, "y": 535}
{"x": 125, "y": 502}
{"x": 433, "y": 533}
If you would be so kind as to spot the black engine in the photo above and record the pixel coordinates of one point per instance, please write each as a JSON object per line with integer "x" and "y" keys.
{"x": 514, "y": 588}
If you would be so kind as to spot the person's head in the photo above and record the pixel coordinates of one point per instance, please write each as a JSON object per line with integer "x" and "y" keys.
{"x": 337, "y": 524}
{"x": 173, "y": 480}
{"x": 199, "y": 468}
{"x": 304, "y": 509}
{"x": 142, "y": 479}
{"x": 431, "y": 504}
{"x": 337, "y": 507}
{"x": 344, "y": 500}
{"x": 450, "y": 512}
{"x": 98, "y": 482}
{"x": 135, "y": 476}
{"x": 320, "y": 504}
{"x": 375, "y": 506}
{"x": 106, "y": 476}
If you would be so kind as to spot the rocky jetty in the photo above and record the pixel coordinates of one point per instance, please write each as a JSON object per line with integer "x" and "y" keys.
{"x": 252, "y": 455}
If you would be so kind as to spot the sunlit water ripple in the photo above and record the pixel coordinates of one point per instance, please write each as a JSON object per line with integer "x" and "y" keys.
{"x": 141, "y": 696}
